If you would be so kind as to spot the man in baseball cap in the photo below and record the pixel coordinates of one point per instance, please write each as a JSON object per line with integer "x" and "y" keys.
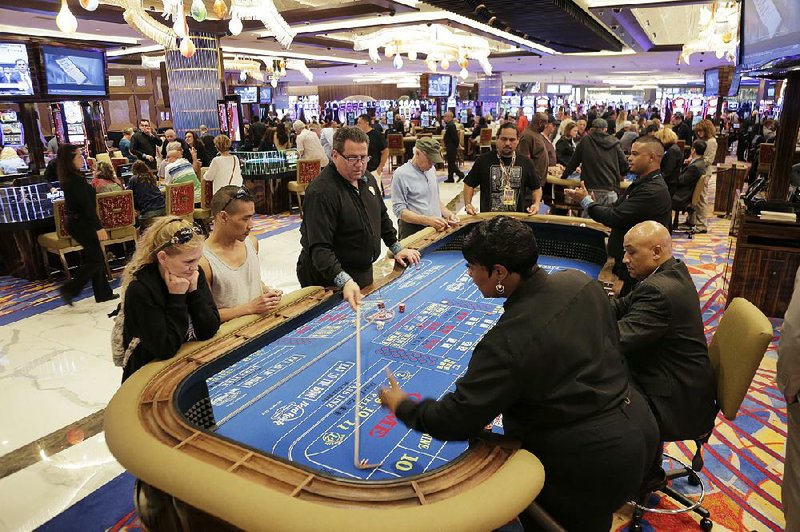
{"x": 415, "y": 192}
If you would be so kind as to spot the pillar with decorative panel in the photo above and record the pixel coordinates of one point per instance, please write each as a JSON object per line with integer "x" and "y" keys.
{"x": 195, "y": 85}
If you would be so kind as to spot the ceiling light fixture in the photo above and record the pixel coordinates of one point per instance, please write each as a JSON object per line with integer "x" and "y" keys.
{"x": 718, "y": 32}
{"x": 65, "y": 20}
{"x": 440, "y": 44}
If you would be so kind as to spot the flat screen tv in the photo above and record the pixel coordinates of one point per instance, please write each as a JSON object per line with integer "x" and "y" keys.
{"x": 733, "y": 91}
{"x": 770, "y": 34}
{"x": 15, "y": 73}
{"x": 439, "y": 85}
{"x": 712, "y": 82}
{"x": 247, "y": 94}
{"x": 266, "y": 94}
{"x": 74, "y": 72}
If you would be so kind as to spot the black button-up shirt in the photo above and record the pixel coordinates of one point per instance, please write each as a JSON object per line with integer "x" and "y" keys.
{"x": 342, "y": 227}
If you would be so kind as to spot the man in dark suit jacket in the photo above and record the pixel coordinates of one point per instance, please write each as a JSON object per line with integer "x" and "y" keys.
{"x": 682, "y": 128}
{"x": 662, "y": 336}
{"x": 647, "y": 198}
{"x": 451, "y": 143}
{"x": 694, "y": 171}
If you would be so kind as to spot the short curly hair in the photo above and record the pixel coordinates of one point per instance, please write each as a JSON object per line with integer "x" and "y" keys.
{"x": 502, "y": 241}
{"x": 222, "y": 143}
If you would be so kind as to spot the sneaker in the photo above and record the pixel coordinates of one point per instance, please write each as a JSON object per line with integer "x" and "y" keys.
{"x": 449, "y": 180}
{"x": 699, "y": 231}
{"x": 112, "y": 297}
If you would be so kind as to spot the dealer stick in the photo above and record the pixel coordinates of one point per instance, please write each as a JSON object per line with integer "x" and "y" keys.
{"x": 359, "y": 462}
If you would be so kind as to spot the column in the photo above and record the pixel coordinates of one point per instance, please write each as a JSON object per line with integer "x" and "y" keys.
{"x": 195, "y": 85}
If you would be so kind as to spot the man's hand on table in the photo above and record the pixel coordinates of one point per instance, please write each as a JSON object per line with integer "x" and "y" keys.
{"x": 407, "y": 257}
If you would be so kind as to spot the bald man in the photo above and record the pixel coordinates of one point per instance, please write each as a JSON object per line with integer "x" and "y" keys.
{"x": 647, "y": 198}
{"x": 171, "y": 136}
{"x": 662, "y": 337}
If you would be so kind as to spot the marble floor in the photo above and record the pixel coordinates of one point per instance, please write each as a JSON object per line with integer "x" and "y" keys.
{"x": 56, "y": 377}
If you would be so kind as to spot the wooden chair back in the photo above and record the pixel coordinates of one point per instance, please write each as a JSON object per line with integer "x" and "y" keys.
{"x": 395, "y": 141}
{"x": 486, "y": 137}
{"x": 206, "y": 193}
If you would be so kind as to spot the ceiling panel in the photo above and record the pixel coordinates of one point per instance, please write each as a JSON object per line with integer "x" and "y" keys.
{"x": 559, "y": 24}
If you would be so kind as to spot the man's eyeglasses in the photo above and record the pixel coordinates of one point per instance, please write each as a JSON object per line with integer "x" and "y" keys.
{"x": 241, "y": 194}
{"x": 355, "y": 159}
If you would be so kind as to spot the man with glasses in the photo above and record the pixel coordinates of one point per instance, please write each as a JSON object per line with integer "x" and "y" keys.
{"x": 505, "y": 177}
{"x": 230, "y": 258}
{"x": 415, "y": 192}
{"x": 143, "y": 144}
{"x": 345, "y": 221}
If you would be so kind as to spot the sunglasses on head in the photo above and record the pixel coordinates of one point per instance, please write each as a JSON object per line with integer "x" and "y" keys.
{"x": 181, "y": 236}
{"x": 241, "y": 194}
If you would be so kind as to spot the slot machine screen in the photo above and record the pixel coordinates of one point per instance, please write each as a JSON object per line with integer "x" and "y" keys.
{"x": 424, "y": 118}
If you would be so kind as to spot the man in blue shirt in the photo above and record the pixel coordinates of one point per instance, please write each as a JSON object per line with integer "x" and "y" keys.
{"x": 415, "y": 192}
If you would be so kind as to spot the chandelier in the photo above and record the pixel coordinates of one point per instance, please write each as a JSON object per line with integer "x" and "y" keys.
{"x": 138, "y": 18}
{"x": 718, "y": 31}
{"x": 440, "y": 46}
{"x": 275, "y": 68}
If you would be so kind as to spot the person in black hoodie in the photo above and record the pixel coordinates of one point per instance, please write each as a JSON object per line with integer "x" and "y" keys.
{"x": 647, "y": 198}
{"x": 166, "y": 299}
{"x": 602, "y": 163}
{"x": 83, "y": 225}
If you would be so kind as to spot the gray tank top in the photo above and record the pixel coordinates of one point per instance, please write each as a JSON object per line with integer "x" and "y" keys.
{"x": 232, "y": 287}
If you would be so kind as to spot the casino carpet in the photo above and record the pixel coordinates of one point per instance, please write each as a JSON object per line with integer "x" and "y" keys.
{"x": 744, "y": 458}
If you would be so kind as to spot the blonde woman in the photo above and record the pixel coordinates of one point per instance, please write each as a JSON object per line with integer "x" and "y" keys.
{"x": 673, "y": 157}
{"x": 224, "y": 169}
{"x": 166, "y": 299}
{"x": 105, "y": 178}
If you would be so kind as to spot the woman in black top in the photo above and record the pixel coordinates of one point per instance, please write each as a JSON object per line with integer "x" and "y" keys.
{"x": 166, "y": 299}
{"x": 194, "y": 143}
{"x": 147, "y": 197}
{"x": 83, "y": 225}
{"x": 672, "y": 162}
{"x": 552, "y": 367}
{"x": 565, "y": 147}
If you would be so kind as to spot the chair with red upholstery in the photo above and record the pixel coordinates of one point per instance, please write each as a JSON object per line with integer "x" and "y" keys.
{"x": 180, "y": 200}
{"x": 117, "y": 216}
{"x": 59, "y": 242}
{"x": 307, "y": 170}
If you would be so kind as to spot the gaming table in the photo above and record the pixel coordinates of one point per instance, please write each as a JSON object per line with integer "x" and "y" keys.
{"x": 256, "y": 426}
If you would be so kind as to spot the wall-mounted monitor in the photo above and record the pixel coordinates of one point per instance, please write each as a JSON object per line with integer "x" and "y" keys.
{"x": 553, "y": 88}
{"x": 733, "y": 91}
{"x": 265, "y": 94}
{"x": 74, "y": 72}
{"x": 15, "y": 74}
{"x": 247, "y": 94}
{"x": 711, "y": 82}
{"x": 770, "y": 34}
{"x": 439, "y": 85}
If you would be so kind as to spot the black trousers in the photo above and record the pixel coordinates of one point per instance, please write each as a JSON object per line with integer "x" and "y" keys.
{"x": 93, "y": 267}
{"x": 593, "y": 468}
{"x": 452, "y": 165}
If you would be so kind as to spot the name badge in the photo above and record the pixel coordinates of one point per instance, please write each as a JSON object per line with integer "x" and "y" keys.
{"x": 372, "y": 190}
{"x": 509, "y": 197}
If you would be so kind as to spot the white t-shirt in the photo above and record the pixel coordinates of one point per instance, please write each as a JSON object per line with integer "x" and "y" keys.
{"x": 310, "y": 147}
{"x": 224, "y": 170}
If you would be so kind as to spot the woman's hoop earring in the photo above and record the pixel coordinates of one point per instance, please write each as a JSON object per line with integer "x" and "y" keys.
{"x": 500, "y": 289}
